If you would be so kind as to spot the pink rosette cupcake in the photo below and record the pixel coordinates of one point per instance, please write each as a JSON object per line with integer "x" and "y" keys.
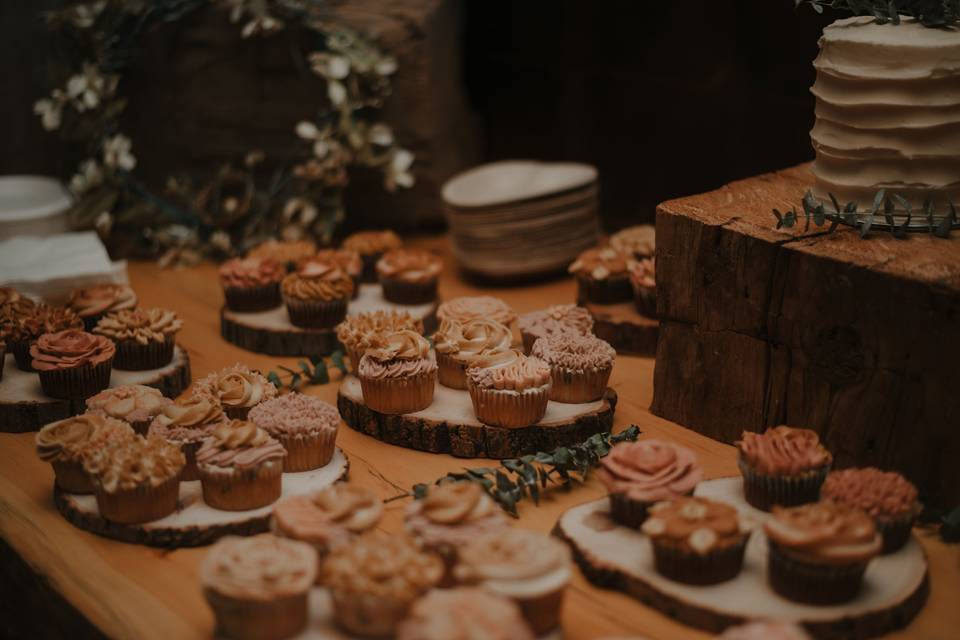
{"x": 238, "y": 389}
{"x": 72, "y": 363}
{"x": 782, "y": 466}
{"x": 458, "y": 346}
{"x": 135, "y": 404}
{"x": 304, "y": 425}
{"x": 509, "y": 389}
{"x": 400, "y": 376}
{"x": 639, "y": 474}
{"x": 240, "y": 467}
{"x": 580, "y": 366}
{"x": 251, "y": 284}
{"x": 556, "y": 320}
{"x": 187, "y": 423}
{"x": 92, "y": 303}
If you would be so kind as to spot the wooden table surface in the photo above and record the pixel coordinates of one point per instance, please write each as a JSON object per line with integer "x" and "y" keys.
{"x": 131, "y": 591}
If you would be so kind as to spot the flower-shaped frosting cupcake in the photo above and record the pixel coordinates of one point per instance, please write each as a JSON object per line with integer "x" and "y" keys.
{"x": 70, "y": 444}
{"x": 33, "y": 321}
{"x": 92, "y": 303}
{"x": 72, "y": 363}
{"x": 331, "y": 516}
{"x": 459, "y": 345}
{"x": 452, "y": 515}
{"x": 135, "y": 404}
{"x": 467, "y": 308}
{"x": 186, "y": 423}
{"x": 238, "y": 389}
{"x": 144, "y": 337}
{"x": 783, "y": 465}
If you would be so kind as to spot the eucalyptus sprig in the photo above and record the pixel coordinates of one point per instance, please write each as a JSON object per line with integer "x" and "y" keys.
{"x": 947, "y": 523}
{"x": 313, "y": 372}
{"x": 929, "y": 13}
{"x": 530, "y": 475}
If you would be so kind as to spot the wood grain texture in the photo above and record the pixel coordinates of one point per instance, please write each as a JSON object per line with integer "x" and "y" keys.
{"x": 129, "y": 591}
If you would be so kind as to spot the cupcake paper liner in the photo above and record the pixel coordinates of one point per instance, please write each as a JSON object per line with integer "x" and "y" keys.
{"x": 451, "y": 372}
{"x": 368, "y": 614}
{"x": 248, "y": 299}
{"x": 764, "y": 491}
{"x": 305, "y": 453}
{"x": 242, "y": 489}
{"x": 607, "y": 291}
{"x": 895, "y": 531}
{"x": 682, "y": 565}
{"x": 21, "y": 354}
{"x": 812, "y": 583}
{"x": 402, "y": 291}
{"x": 628, "y": 512}
{"x": 133, "y": 356}
{"x": 509, "y": 409}
{"x": 399, "y": 395}
{"x": 140, "y": 504}
{"x": 542, "y": 613}
{"x": 316, "y": 314}
{"x": 576, "y": 387}
{"x": 645, "y": 300}
{"x": 72, "y": 477}
{"x": 245, "y": 619}
{"x": 77, "y": 382}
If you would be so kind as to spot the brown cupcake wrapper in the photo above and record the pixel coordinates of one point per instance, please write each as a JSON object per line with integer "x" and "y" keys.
{"x": 812, "y": 583}
{"x": 78, "y": 382}
{"x": 21, "y": 354}
{"x": 645, "y": 300}
{"x": 71, "y": 477}
{"x": 576, "y": 387}
{"x": 399, "y": 395}
{"x": 628, "y": 512}
{"x": 508, "y": 409}
{"x": 542, "y": 613}
{"x": 895, "y": 531}
{"x": 402, "y": 291}
{"x": 451, "y": 372}
{"x": 306, "y": 453}
{"x": 610, "y": 290}
{"x": 250, "y": 299}
{"x": 368, "y": 615}
{"x": 249, "y": 619}
{"x": 764, "y": 491}
{"x": 316, "y": 314}
{"x": 141, "y": 504}
{"x": 719, "y": 565}
{"x": 242, "y": 489}
{"x": 133, "y": 356}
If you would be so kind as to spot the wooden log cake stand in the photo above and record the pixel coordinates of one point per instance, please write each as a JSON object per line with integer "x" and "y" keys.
{"x": 23, "y": 407}
{"x": 627, "y": 331}
{"x": 855, "y": 338}
{"x": 449, "y": 425}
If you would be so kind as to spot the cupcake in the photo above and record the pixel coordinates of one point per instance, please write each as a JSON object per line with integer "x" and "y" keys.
{"x": 765, "y": 630}
{"x": 8, "y": 295}
{"x": 32, "y": 324}
{"x": 601, "y": 277}
{"x": 349, "y": 261}
{"x": 696, "y": 540}
{"x": 251, "y": 284}
{"x": 72, "y": 364}
{"x": 238, "y": 389}
{"x": 886, "y": 496}
{"x": 459, "y": 345}
{"x": 137, "y": 480}
{"x": 240, "y": 467}
{"x": 92, "y": 303}
{"x": 464, "y": 612}
{"x": 643, "y": 281}
{"x": 527, "y": 567}
{"x": 186, "y": 423}
{"x": 365, "y": 330}
{"x": 819, "y": 552}
{"x": 375, "y": 580}
{"x": 316, "y": 295}
{"x": 304, "y": 425}
{"x": 509, "y": 389}
{"x": 287, "y": 253}
{"x": 399, "y": 376}
{"x": 783, "y": 466}
{"x": 69, "y": 444}
{"x": 371, "y": 245}
{"x": 639, "y": 474}
{"x": 467, "y": 308}
{"x": 258, "y": 587}
{"x": 135, "y": 404}
{"x": 409, "y": 276}
{"x": 555, "y": 320}
{"x": 639, "y": 241}
{"x": 144, "y": 337}
{"x": 580, "y": 366}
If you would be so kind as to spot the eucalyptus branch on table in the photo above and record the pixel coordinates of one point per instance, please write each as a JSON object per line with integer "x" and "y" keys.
{"x": 313, "y": 372}
{"x": 527, "y": 477}
{"x": 930, "y": 13}
{"x": 947, "y": 523}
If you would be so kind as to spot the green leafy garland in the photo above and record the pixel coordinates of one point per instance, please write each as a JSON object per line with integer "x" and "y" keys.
{"x": 930, "y": 13}
{"x": 241, "y": 204}
{"x": 314, "y": 371}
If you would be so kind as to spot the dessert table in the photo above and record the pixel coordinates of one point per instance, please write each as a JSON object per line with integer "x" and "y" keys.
{"x": 59, "y": 578}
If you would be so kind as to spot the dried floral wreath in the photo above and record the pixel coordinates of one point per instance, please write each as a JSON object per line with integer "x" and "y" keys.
{"x": 239, "y": 206}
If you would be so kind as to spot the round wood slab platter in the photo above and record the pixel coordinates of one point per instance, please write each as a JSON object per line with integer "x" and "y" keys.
{"x": 271, "y": 332}
{"x": 625, "y": 329}
{"x": 895, "y": 586}
{"x": 23, "y": 407}
{"x": 450, "y": 426}
{"x": 194, "y": 523}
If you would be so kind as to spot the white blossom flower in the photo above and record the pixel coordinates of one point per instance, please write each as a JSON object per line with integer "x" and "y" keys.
{"x": 116, "y": 153}
{"x": 50, "y": 111}
{"x": 230, "y": 204}
{"x": 336, "y": 92}
{"x": 380, "y": 134}
{"x": 386, "y": 66}
{"x": 398, "y": 171}
{"x": 321, "y": 149}
{"x": 84, "y": 15}
{"x": 261, "y": 24}
{"x": 88, "y": 176}
{"x": 221, "y": 240}
{"x": 307, "y": 130}
{"x": 299, "y": 211}
{"x": 103, "y": 223}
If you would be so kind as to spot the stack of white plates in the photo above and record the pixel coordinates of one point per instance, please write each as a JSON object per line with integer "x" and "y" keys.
{"x": 521, "y": 218}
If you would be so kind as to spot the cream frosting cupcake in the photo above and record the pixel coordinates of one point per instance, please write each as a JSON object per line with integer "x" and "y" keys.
{"x": 144, "y": 337}
{"x": 458, "y": 346}
{"x": 135, "y": 404}
{"x": 467, "y": 308}
{"x": 371, "y": 245}
{"x": 639, "y": 241}
{"x": 186, "y": 423}
{"x": 366, "y": 330}
{"x": 601, "y": 276}
{"x": 251, "y": 284}
{"x": 238, "y": 389}
{"x": 409, "y": 276}
{"x": 240, "y": 467}
{"x": 287, "y": 253}
{"x": 580, "y": 366}
{"x": 316, "y": 295}
{"x": 69, "y": 444}
{"x": 92, "y": 303}
{"x": 304, "y": 425}
{"x": 399, "y": 376}
{"x": 509, "y": 389}
{"x": 461, "y": 613}
{"x": 349, "y": 261}
{"x": 554, "y": 320}
{"x": 783, "y": 466}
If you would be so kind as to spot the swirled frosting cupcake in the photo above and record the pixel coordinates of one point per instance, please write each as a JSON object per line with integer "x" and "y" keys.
{"x": 695, "y": 540}
{"x": 527, "y": 567}
{"x": 467, "y": 308}
{"x": 783, "y": 466}
{"x": 240, "y": 467}
{"x": 554, "y": 320}
{"x": 819, "y": 552}
{"x": 316, "y": 295}
{"x": 135, "y": 404}
{"x": 251, "y": 284}
{"x": 580, "y": 366}
{"x": 601, "y": 276}
{"x": 639, "y": 241}
{"x": 138, "y": 480}
{"x": 365, "y": 330}
{"x": 374, "y": 580}
{"x": 400, "y": 375}
{"x": 886, "y": 496}
{"x": 639, "y": 474}
{"x": 371, "y": 245}
{"x": 459, "y": 345}
{"x": 643, "y": 281}
{"x": 288, "y": 253}
{"x": 33, "y": 322}
{"x": 144, "y": 337}
{"x": 509, "y": 389}
{"x": 186, "y": 423}
{"x": 464, "y": 612}
{"x": 92, "y": 303}
{"x": 258, "y": 586}
{"x": 69, "y": 444}
{"x": 348, "y": 260}
{"x": 72, "y": 363}
{"x": 238, "y": 389}
{"x": 409, "y": 276}
{"x": 304, "y": 425}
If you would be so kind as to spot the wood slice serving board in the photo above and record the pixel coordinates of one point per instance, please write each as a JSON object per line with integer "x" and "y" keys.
{"x": 194, "y": 523}
{"x": 271, "y": 332}
{"x": 23, "y": 407}
{"x": 627, "y": 331}
{"x": 894, "y": 590}
{"x": 450, "y": 426}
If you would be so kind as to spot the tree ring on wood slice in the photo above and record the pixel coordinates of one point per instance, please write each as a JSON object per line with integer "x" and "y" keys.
{"x": 271, "y": 332}
{"x": 195, "y": 523}
{"x": 23, "y": 407}
{"x": 895, "y": 586}
{"x": 627, "y": 331}
{"x": 449, "y": 425}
